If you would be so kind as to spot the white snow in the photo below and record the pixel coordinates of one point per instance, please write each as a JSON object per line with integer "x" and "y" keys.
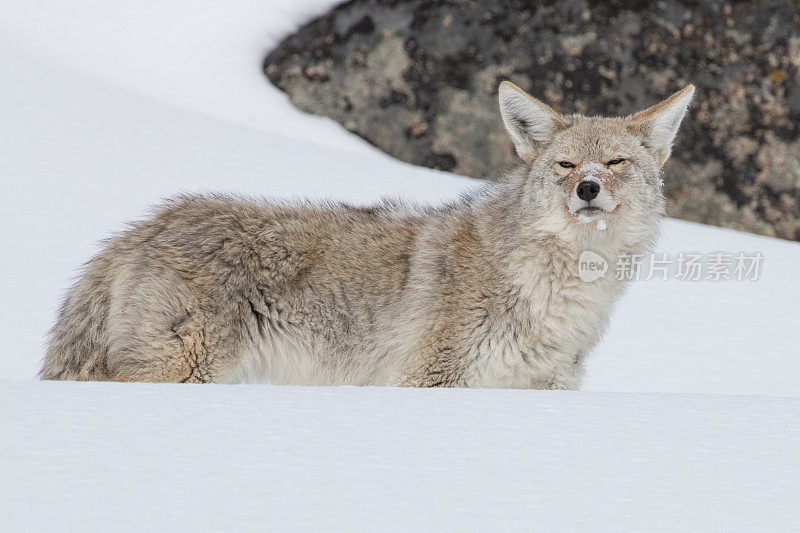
{"x": 171, "y": 457}
{"x": 595, "y": 171}
{"x": 583, "y": 218}
{"x": 108, "y": 107}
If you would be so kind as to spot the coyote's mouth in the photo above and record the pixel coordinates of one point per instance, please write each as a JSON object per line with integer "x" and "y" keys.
{"x": 590, "y": 210}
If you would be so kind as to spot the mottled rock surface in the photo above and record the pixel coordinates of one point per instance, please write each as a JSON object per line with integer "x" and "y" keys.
{"x": 419, "y": 80}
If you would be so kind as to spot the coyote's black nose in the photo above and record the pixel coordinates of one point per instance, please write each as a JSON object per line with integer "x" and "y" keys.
{"x": 588, "y": 190}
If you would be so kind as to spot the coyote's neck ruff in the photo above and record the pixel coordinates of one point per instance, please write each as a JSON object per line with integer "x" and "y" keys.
{"x": 484, "y": 293}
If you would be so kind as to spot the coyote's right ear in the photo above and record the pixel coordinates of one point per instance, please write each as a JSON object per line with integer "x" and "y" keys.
{"x": 530, "y": 123}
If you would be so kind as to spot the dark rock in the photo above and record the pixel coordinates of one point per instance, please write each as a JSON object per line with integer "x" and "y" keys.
{"x": 419, "y": 80}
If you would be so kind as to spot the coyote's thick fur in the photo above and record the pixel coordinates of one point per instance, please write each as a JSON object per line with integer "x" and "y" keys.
{"x": 482, "y": 293}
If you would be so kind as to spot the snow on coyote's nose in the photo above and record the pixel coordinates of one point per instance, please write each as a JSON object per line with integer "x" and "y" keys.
{"x": 593, "y": 171}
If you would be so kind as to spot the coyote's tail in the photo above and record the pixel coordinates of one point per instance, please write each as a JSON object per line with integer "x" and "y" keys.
{"x": 78, "y": 342}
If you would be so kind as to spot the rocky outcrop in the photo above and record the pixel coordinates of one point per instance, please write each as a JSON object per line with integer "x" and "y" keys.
{"x": 419, "y": 79}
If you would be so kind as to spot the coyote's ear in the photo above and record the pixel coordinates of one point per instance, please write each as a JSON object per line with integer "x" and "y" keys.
{"x": 530, "y": 123}
{"x": 659, "y": 124}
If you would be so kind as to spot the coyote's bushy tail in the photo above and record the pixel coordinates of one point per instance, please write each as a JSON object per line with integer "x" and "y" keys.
{"x": 78, "y": 342}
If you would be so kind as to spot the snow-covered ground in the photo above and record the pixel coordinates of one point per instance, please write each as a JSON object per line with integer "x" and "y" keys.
{"x": 208, "y": 457}
{"x": 107, "y": 107}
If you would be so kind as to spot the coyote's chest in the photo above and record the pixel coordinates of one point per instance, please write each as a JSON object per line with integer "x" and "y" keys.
{"x": 546, "y": 336}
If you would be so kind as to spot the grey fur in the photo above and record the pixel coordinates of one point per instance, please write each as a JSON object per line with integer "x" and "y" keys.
{"x": 481, "y": 293}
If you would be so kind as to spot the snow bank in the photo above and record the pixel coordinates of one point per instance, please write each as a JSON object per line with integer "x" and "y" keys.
{"x": 110, "y": 456}
{"x": 202, "y": 56}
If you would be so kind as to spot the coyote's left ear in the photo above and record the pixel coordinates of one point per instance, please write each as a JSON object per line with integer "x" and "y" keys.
{"x": 659, "y": 124}
{"x": 530, "y": 123}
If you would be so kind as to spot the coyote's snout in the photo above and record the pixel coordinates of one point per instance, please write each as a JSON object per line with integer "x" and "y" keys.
{"x": 487, "y": 292}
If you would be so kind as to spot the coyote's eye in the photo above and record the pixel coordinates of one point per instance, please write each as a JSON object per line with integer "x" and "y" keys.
{"x": 566, "y": 164}
{"x": 615, "y": 161}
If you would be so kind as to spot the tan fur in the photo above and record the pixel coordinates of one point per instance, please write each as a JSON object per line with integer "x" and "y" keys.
{"x": 482, "y": 293}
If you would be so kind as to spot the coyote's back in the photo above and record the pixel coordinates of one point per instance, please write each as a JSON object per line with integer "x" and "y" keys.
{"x": 204, "y": 289}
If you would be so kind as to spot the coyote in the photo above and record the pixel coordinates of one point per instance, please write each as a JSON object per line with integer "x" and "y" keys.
{"x": 485, "y": 292}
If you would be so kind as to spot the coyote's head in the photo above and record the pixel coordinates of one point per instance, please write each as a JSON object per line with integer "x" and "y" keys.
{"x": 593, "y": 169}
